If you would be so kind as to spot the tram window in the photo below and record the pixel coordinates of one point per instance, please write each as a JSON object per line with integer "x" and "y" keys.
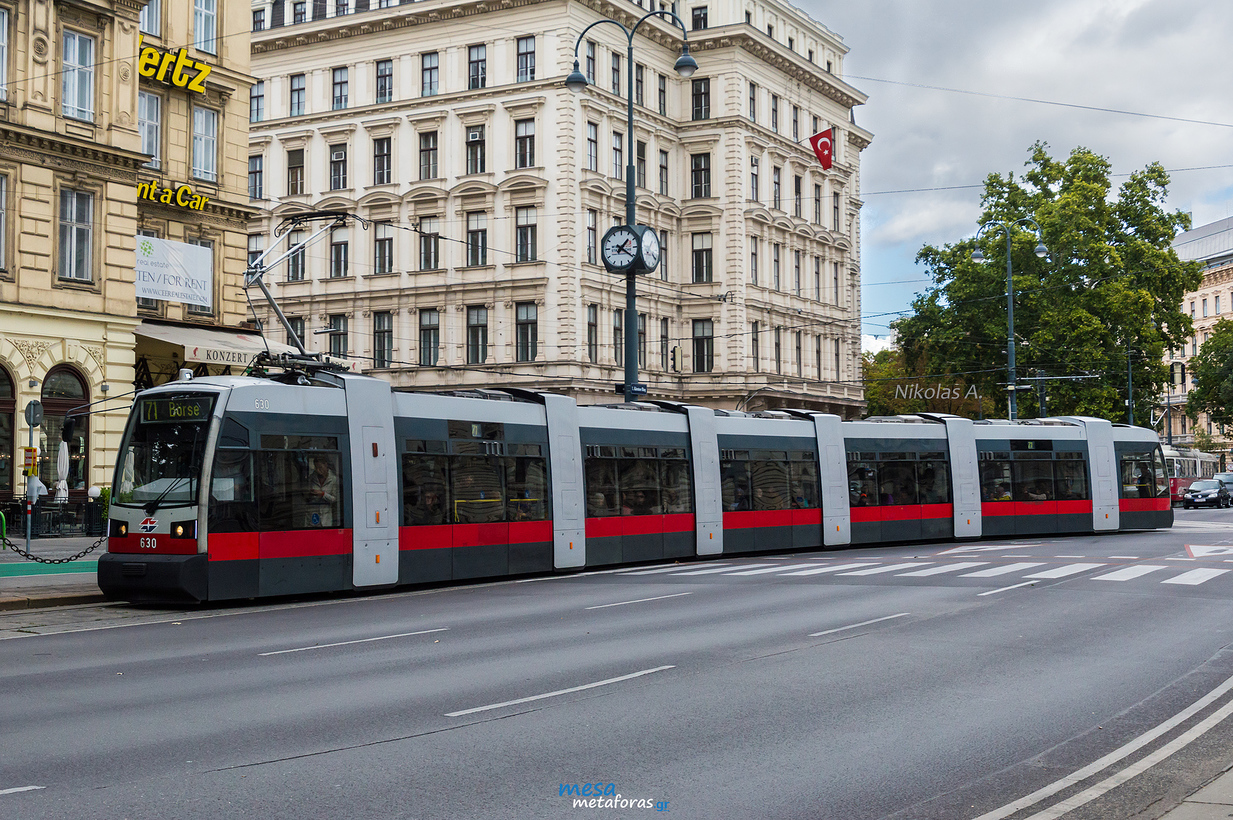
{"x": 639, "y": 484}
{"x": 1033, "y": 480}
{"x": 601, "y": 487}
{"x": 419, "y": 446}
{"x": 734, "y": 479}
{"x": 233, "y": 506}
{"x": 862, "y": 483}
{"x": 269, "y": 442}
{"x": 770, "y": 484}
{"x": 897, "y": 482}
{"x": 803, "y": 476}
{"x": 526, "y": 487}
{"x": 425, "y": 489}
{"x": 1070, "y": 477}
{"x": 299, "y": 490}
{"x": 995, "y": 483}
{"x": 1143, "y": 474}
{"x": 677, "y": 484}
{"x": 233, "y": 434}
{"x": 933, "y": 480}
{"x": 476, "y": 490}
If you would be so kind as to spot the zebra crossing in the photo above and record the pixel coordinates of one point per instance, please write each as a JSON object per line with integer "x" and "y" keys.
{"x": 1038, "y": 570}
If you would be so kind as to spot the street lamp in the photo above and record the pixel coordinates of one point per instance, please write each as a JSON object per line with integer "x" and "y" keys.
{"x": 977, "y": 256}
{"x": 685, "y": 65}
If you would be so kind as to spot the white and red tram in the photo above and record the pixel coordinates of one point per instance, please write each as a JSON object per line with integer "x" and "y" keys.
{"x": 1187, "y": 466}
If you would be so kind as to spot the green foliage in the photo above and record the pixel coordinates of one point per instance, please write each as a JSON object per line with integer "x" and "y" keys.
{"x": 889, "y": 383}
{"x": 104, "y": 500}
{"x": 1111, "y": 281}
{"x": 1212, "y": 371}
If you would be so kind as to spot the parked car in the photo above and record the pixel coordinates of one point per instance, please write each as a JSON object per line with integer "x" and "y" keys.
{"x": 1206, "y": 492}
{"x": 1226, "y": 478}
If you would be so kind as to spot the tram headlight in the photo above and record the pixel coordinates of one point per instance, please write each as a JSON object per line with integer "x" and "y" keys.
{"x": 116, "y": 529}
{"x": 184, "y": 529}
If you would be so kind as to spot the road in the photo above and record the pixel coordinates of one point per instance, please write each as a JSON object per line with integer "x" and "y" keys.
{"x": 926, "y": 681}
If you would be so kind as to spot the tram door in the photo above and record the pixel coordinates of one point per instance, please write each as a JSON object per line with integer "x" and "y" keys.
{"x": 374, "y": 481}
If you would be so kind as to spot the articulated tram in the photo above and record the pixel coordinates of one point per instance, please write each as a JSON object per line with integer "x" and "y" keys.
{"x": 242, "y": 487}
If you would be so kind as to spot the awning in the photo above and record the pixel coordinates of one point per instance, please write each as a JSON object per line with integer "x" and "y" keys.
{"x": 218, "y": 347}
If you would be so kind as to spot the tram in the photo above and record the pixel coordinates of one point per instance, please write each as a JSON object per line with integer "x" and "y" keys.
{"x": 237, "y": 487}
{"x": 1186, "y": 467}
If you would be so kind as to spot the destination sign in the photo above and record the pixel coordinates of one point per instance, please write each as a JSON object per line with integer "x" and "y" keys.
{"x": 176, "y": 409}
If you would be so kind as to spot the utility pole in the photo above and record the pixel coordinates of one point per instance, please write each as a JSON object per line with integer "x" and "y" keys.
{"x": 1130, "y": 389}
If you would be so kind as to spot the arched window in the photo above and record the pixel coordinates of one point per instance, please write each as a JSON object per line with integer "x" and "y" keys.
{"x": 8, "y": 406}
{"x": 64, "y": 390}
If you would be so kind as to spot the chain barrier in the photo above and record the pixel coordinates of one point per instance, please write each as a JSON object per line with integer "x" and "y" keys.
{"x": 10, "y": 545}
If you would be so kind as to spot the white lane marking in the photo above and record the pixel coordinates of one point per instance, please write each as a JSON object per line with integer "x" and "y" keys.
{"x": 641, "y": 600}
{"x": 1125, "y": 557}
{"x": 21, "y": 789}
{"x": 855, "y": 626}
{"x": 1062, "y": 572}
{"x": 1004, "y": 589}
{"x": 1170, "y": 558}
{"x": 836, "y": 568}
{"x": 765, "y": 570}
{"x": 348, "y": 643}
{"x": 585, "y": 686}
{"x": 1207, "y": 551}
{"x": 986, "y": 548}
{"x": 675, "y": 568}
{"x": 891, "y": 568}
{"x": 1195, "y": 577}
{"x": 1126, "y": 573}
{"x": 1002, "y": 570}
{"x": 1120, "y": 753}
{"x": 1070, "y": 556}
{"x": 717, "y": 569}
{"x": 568, "y": 575}
{"x": 921, "y": 573}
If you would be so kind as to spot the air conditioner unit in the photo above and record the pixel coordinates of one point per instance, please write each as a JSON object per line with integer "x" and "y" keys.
{"x": 475, "y": 136}
{"x": 338, "y": 156}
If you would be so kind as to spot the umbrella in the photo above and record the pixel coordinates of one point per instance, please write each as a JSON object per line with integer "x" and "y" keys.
{"x": 62, "y": 467}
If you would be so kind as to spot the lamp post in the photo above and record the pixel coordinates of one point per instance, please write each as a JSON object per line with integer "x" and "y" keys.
{"x": 685, "y": 65}
{"x": 977, "y": 256}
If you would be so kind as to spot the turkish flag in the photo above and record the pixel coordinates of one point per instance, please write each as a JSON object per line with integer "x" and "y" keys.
{"x": 822, "y": 145}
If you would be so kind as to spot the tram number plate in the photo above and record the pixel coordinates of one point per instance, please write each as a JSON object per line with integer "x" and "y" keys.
{"x": 148, "y": 543}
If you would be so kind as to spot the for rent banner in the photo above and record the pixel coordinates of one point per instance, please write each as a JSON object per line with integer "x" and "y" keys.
{"x": 174, "y": 272}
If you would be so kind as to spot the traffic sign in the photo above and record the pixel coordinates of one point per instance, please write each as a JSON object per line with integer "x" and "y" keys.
{"x": 637, "y": 390}
{"x": 29, "y": 460}
{"x": 34, "y": 413}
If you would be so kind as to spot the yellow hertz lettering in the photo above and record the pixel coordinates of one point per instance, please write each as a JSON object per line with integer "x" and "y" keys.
{"x": 182, "y": 196}
{"x": 169, "y": 67}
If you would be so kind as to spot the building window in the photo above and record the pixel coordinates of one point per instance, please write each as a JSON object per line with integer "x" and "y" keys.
{"x": 836, "y": 282}
{"x": 796, "y": 270}
{"x": 665, "y": 244}
{"x": 639, "y": 85}
{"x": 592, "y": 147}
{"x": 1217, "y": 306}
{"x": 258, "y": 19}
{"x": 775, "y": 265}
{"x": 800, "y": 367}
{"x": 592, "y": 333}
{"x": 663, "y": 344}
{"x": 753, "y": 178}
{"x": 477, "y": 238}
{"x": 76, "y": 235}
{"x": 382, "y": 338}
{"x": 299, "y": 11}
{"x": 838, "y": 360}
{"x": 430, "y": 336}
{"x": 150, "y": 20}
{"x": 477, "y": 335}
{"x": 381, "y": 161}
{"x": 205, "y": 25}
{"x": 77, "y": 85}
{"x": 205, "y": 144}
{"x": 385, "y": 81}
{"x": 256, "y": 102}
{"x": 817, "y": 353}
{"x": 590, "y": 62}
{"x": 341, "y": 89}
{"x": 835, "y": 210}
{"x": 527, "y": 329}
{"x": 640, "y": 164}
{"x": 775, "y": 113}
{"x": 642, "y": 340}
{"x": 753, "y": 102}
{"x": 753, "y": 260}
{"x": 256, "y": 177}
{"x": 430, "y": 73}
{"x": 701, "y": 99}
{"x": 817, "y": 278}
{"x": 618, "y": 155}
{"x": 663, "y": 95}
{"x": 798, "y": 196}
{"x": 526, "y": 59}
{"x": 338, "y": 335}
{"x": 477, "y": 67}
{"x": 703, "y": 268}
{"x": 340, "y": 251}
{"x": 524, "y": 143}
{"x": 525, "y": 238}
{"x": 704, "y": 346}
{"x": 755, "y": 355}
{"x": 779, "y": 350}
{"x": 616, "y": 73}
{"x": 817, "y": 205}
{"x": 383, "y": 248}
{"x": 428, "y": 155}
{"x": 295, "y": 262}
{"x": 430, "y": 243}
{"x": 700, "y": 175}
{"x": 663, "y": 172}
{"x": 592, "y": 236}
{"x": 338, "y": 167}
{"x": 295, "y": 172}
{"x": 618, "y": 337}
{"x": 796, "y": 123}
{"x": 150, "y": 124}
{"x": 296, "y": 333}
{"x": 698, "y": 19}
{"x": 1204, "y": 308}
{"x": 776, "y": 189}
{"x": 296, "y": 108}
{"x": 477, "y": 150}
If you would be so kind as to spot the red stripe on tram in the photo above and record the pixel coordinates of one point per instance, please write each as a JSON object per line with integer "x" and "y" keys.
{"x": 304, "y": 543}
{"x": 233, "y": 546}
{"x": 1144, "y": 505}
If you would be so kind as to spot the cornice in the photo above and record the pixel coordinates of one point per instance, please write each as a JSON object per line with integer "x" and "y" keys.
{"x": 48, "y": 148}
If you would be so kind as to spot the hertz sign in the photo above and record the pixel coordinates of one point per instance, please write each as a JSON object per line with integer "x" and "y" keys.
{"x": 172, "y": 67}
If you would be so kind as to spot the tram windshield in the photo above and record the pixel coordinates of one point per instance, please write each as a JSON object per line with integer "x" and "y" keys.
{"x": 161, "y": 457}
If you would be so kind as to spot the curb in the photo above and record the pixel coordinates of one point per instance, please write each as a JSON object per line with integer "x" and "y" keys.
{"x": 37, "y": 601}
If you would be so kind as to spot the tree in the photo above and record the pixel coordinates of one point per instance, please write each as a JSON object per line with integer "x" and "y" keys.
{"x": 891, "y": 390}
{"x": 1212, "y": 371}
{"x": 1111, "y": 284}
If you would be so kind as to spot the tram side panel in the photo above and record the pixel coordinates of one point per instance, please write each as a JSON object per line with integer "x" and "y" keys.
{"x": 1143, "y": 480}
{"x": 899, "y": 482}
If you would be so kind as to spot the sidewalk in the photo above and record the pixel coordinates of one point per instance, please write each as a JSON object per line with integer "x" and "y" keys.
{"x": 26, "y": 584}
{"x": 1212, "y": 802}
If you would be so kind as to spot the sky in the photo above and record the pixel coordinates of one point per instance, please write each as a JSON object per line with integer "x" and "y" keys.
{"x": 1162, "y": 57}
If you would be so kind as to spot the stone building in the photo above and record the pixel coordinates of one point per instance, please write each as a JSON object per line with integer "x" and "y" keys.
{"x": 486, "y": 185}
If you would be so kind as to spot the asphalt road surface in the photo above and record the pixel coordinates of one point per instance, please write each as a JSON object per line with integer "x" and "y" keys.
{"x": 1081, "y": 677}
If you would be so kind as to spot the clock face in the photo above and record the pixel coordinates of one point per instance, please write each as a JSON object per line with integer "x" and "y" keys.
{"x": 650, "y": 249}
{"x": 620, "y": 248}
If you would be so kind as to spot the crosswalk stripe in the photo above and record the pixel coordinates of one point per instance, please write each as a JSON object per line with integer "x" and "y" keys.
{"x": 891, "y": 568}
{"x": 1195, "y": 577}
{"x": 1003, "y": 570}
{"x": 835, "y": 568}
{"x": 921, "y": 573}
{"x": 1126, "y": 573}
{"x": 675, "y": 568}
{"x": 765, "y": 570}
{"x": 727, "y": 568}
{"x": 1062, "y": 572}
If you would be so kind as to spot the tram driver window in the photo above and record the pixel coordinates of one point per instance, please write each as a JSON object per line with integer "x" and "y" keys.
{"x": 1143, "y": 474}
{"x": 233, "y": 506}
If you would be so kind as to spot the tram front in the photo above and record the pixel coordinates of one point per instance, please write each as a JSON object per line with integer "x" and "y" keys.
{"x": 153, "y": 552}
